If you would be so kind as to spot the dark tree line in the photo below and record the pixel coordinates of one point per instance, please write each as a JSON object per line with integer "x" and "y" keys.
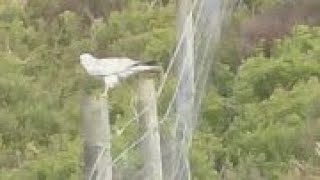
{"x": 277, "y": 22}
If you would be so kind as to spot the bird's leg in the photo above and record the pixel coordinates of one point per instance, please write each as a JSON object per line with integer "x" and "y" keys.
{"x": 106, "y": 87}
{"x": 105, "y": 93}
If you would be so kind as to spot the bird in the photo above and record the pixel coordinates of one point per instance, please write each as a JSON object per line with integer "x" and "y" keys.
{"x": 114, "y": 69}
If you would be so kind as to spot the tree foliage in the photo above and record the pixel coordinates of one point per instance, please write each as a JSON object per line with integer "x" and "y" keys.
{"x": 260, "y": 117}
{"x": 273, "y": 102}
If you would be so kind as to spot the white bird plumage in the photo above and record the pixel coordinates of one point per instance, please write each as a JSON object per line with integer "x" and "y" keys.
{"x": 106, "y": 66}
{"x": 112, "y": 70}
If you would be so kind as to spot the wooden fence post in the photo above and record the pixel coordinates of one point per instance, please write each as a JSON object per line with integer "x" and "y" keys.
{"x": 147, "y": 106}
{"x": 97, "y": 139}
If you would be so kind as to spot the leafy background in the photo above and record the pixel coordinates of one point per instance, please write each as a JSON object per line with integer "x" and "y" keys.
{"x": 260, "y": 119}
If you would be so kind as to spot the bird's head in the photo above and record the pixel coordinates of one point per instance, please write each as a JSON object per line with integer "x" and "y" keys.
{"x": 85, "y": 57}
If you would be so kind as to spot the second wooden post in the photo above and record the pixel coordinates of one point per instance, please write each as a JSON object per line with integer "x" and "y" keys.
{"x": 147, "y": 106}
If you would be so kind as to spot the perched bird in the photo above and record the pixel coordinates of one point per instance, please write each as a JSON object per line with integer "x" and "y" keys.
{"x": 113, "y": 70}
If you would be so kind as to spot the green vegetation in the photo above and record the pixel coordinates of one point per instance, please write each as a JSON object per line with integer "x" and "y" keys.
{"x": 260, "y": 119}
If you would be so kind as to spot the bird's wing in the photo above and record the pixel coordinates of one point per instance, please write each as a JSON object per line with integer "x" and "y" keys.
{"x": 113, "y": 65}
{"x": 91, "y": 67}
{"x": 126, "y": 74}
{"x": 142, "y": 68}
{"x": 137, "y": 69}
